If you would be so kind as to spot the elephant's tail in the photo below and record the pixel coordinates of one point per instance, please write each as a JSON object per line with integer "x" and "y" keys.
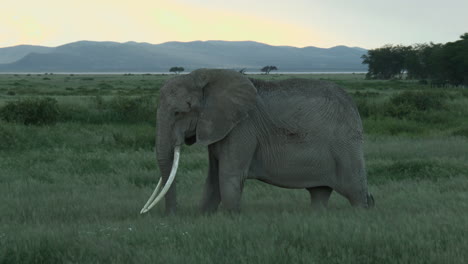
{"x": 370, "y": 200}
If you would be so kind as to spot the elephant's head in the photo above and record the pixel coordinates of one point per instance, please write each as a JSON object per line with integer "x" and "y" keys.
{"x": 200, "y": 107}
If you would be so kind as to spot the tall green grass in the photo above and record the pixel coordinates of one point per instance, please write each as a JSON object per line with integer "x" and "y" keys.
{"x": 71, "y": 191}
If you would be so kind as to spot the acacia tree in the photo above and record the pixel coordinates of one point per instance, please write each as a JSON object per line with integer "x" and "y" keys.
{"x": 176, "y": 70}
{"x": 386, "y": 62}
{"x": 268, "y": 69}
{"x": 453, "y": 61}
{"x": 440, "y": 63}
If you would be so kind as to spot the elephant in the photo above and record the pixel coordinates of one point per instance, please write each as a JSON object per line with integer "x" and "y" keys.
{"x": 294, "y": 133}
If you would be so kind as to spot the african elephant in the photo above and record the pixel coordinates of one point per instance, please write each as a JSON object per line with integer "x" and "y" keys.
{"x": 295, "y": 133}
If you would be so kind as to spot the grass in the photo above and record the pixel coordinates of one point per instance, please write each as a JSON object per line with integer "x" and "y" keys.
{"x": 71, "y": 192}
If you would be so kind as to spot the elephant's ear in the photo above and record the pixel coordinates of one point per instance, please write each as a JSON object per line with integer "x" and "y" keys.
{"x": 228, "y": 97}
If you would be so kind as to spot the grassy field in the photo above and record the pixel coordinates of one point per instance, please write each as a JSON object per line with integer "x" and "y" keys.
{"x": 71, "y": 192}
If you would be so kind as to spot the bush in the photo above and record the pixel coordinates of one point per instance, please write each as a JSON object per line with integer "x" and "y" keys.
{"x": 463, "y": 132}
{"x": 82, "y": 113}
{"x": 104, "y": 86}
{"x": 464, "y": 93}
{"x": 433, "y": 117}
{"x": 8, "y": 138}
{"x": 366, "y": 107}
{"x": 408, "y": 104}
{"x": 423, "y": 82}
{"x": 118, "y": 109}
{"x": 39, "y": 111}
{"x": 419, "y": 100}
{"x": 391, "y": 126}
{"x": 131, "y": 109}
{"x": 400, "y": 111}
{"x": 365, "y": 94}
{"x": 413, "y": 169}
{"x": 137, "y": 140}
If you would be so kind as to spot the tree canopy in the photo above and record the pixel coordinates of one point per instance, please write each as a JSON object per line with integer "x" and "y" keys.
{"x": 268, "y": 69}
{"x": 176, "y": 70}
{"x": 446, "y": 63}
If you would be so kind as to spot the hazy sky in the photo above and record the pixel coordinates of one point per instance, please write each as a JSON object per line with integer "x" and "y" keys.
{"x": 326, "y": 23}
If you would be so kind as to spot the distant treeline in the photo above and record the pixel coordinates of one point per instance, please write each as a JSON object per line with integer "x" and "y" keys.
{"x": 441, "y": 64}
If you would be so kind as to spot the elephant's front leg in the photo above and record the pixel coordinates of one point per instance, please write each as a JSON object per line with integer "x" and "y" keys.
{"x": 230, "y": 185}
{"x": 211, "y": 196}
{"x": 234, "y": 166}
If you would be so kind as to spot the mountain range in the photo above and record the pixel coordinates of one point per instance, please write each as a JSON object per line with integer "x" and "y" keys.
{"x": 91, "y": 56}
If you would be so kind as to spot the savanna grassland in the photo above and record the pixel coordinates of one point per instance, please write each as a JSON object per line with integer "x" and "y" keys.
{"x": 77, "y": 163}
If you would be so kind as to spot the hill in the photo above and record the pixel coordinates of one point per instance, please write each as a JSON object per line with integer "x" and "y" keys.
{"x": 12, "y": 54}
{"x": 89, "y": 56}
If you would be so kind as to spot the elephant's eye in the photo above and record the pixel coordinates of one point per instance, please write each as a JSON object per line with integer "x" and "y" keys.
{"x": 177, "y": 113}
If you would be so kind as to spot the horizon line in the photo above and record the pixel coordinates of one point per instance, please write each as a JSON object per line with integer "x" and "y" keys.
{"x": 212, "y": 40}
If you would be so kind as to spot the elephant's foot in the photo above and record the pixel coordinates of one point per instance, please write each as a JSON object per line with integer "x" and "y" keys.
{"x": 209, "y": 207}
{"x": 231, "y": 191}
{"x": 319, "y": 196}
{"x": 231, "y": 201}
{"x": 211, "y": 199}
{"x": 357, "y": 199}
{"x": 232, "y": 208}
{"x": 170, "y": 211}
{"x": 370, "y": 201}
{"x": 171, "y": 201}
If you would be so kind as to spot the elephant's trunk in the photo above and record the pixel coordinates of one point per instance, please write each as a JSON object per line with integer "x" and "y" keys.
{"x": 167, "y": 156}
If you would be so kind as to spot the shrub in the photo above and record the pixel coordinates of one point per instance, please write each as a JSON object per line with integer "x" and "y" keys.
{"x": 408, "y": 104}
{"x": 461, "y": 132}
{"x": 104, "y": 86}
{"x": 366, "y": 107}
{"x": 131, "y": 109}
{"x": 82, "y": 113}
{"x": 464, "y": 93}
{"x": 391, "y": 126}
{"x": 433, "y": 117}
{"x": 99, "y": 101}
{"x": 399, "y": 111}
{"x": 137, "y": 140}
{"x": 413, "y": 169}
{"x": 419, "y": 100}
{"x": 8, "y": 138}
{"x": 365, "y": 94}
{"x": 40, "y": 111}
{"x": 118, "y": 109}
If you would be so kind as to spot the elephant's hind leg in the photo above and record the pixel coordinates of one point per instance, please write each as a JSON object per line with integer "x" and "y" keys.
{"x": 319, "y": 196}
{"x": 353, "y": 180}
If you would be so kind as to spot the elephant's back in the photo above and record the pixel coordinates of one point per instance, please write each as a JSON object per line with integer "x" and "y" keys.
{"x": 310, "y": 107}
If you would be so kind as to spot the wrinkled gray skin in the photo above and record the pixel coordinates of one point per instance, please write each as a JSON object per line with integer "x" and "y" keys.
{"x": 295, "y": 133}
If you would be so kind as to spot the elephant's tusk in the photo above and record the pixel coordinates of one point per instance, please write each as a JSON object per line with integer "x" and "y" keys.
{"x": 168, "y": 184}
{"x": 156, "y": 190}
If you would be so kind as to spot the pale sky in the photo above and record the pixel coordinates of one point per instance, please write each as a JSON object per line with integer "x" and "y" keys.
{"x": 299, "y": 23}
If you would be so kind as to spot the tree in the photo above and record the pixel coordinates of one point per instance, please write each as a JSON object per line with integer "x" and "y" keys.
{"x": 268, "y": 69}
{"x": 454, "y": 61}
{"x": 386, "y": 62}
{"x": 422, "y": 61}
{"x": 441, "y": 64}
{"x": 176, "y": 70}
